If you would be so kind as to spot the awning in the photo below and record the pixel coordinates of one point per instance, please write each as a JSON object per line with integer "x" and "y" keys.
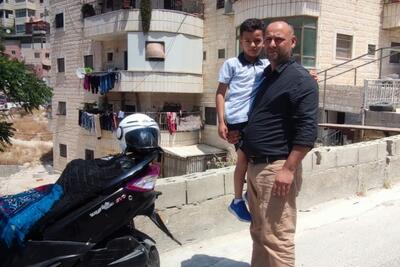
{"x": 46, "y": 62}
{"x": 193, "y": 151}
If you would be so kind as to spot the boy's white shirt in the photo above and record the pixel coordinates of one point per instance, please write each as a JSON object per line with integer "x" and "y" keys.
{"x": 243, "y": 79}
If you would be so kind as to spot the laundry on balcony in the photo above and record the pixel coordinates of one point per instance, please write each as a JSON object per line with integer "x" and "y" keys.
{"x": 96, "y": 120}
{"x": 100, "y": 82}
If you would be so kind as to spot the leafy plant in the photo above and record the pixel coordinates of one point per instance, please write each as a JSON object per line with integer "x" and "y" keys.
{"x": 145, "y": 14}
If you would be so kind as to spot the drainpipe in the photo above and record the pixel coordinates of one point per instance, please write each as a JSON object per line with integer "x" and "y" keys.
{"x": 380, "y": 63}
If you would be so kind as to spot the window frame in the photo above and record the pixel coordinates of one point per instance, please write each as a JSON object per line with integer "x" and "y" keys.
{"x": 62, "y": 108}
{"x": 210, "y": 116}
{"x": 61, "y": 69}
{"x": 350, "y": 49}
{"x": 63, "y": 150}
{"x": 86, "y": 61}
{"x": 221, "y": 53}
{"x": 394, "y": 57}
{"x": 59, "y": 24}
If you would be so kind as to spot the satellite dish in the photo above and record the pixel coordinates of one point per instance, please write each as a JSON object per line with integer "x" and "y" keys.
{"x": 80, "y": 73}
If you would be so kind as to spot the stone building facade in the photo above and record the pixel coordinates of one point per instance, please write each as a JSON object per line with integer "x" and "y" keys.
{"x": 197, "y": 38}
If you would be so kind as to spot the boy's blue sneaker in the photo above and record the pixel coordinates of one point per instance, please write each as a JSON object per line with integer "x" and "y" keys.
{"x": 240, "y": 211}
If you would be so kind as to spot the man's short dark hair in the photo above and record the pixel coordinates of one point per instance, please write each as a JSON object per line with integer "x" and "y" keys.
{"x": 251, "y": 25}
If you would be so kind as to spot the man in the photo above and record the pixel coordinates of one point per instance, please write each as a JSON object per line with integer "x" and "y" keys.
{"x": 282, "y": 128}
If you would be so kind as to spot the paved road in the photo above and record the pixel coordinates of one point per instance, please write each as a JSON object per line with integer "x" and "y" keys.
{"x": 358, "y": 231}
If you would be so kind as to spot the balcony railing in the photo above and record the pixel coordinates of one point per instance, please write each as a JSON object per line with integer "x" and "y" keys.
{"x": 177, "y": 121}
{"x": 195, "y": 7}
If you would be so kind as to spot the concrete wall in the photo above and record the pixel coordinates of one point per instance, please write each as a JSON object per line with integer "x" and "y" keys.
{"x": 328, "y": 173}
{"x": 385, "y": 119}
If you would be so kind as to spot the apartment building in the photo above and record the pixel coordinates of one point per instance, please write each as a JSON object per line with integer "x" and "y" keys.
{"x": 26, "y": 27}
{"x": 172, "y": 70}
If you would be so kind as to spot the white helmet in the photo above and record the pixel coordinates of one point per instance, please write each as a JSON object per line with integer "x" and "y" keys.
{"x": 138, "y": 133}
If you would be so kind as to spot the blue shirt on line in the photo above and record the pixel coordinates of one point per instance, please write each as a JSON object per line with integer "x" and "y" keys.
{"x": 243, "y": 78}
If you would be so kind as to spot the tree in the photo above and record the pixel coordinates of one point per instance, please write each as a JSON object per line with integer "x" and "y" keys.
{"x": 19, "y": 85}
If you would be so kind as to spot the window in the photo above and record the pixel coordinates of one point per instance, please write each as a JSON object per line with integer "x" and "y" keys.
{"x": 31, "y": 13}
{"x": 47, "y": 55}
{"x": 371, "y": 49}
{"x": 61, "y": 64}
{"x": 20, "y": 28}
{"x": 62, "y": 108}
{"x": 88, "y": 61}
{"x": 13, "y": 52}
{"x": 110, "y": 56}
{"x": 155, "y": 51}
{"x": 89, "y": 154}
{"x": 37, "y": 54}
{"x": 63, "y": 150}
{"x": 204, "y": 55}
{"x": 20, "y": 13}
{"x": 59, "y": 20}
{"x": 221, "y": 53}
{"x": 344, "y": 46}
{"x": 41, "y": 1}
{"x": 220, "y": 4}
{"x": 395, "y": 54}
{"x": 210, "y": 116}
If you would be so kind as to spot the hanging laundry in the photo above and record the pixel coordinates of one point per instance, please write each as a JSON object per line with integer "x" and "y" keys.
{"x": 171, "y": 122}
{"x": 101, "y": 82}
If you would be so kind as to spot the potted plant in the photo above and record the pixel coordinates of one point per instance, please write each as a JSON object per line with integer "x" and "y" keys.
{"x": 87, "y": 10}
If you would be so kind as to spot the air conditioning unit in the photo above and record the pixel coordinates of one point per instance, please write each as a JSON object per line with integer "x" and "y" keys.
{"x": 229, "y": 7}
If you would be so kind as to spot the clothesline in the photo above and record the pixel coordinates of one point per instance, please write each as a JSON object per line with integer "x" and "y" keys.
{"x": 102, "y": 82}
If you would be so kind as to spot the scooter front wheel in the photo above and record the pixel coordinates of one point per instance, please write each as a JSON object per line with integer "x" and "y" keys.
{"x": 154, "y": 258}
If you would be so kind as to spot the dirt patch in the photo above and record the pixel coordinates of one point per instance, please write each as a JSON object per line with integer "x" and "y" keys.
{"x": 32, "y": 140}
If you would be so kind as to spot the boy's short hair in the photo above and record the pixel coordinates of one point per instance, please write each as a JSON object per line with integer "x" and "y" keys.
{"x": 251, "y": 25}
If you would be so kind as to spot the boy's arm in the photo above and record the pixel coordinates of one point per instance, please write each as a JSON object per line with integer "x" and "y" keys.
{"x": 220, "y": 103}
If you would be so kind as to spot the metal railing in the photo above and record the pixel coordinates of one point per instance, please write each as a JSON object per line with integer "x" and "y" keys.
{"x": 382, "y": 92}
{"x": 334, "y": 138}
{"x": 184, "y": 121}
{"x": 367, "y": 56}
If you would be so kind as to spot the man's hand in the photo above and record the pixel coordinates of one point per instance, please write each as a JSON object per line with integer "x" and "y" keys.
{"x": 283, "y": 182}
{"x": 223, "y": 131}
{"x": 314, "y": 74}
{"x": 233, "y": 136}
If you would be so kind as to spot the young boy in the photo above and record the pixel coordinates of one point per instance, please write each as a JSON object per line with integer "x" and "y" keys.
{"x": 241, "y": 75}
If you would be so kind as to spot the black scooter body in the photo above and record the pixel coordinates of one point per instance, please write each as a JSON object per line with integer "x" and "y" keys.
{"x": 99, "y": 232}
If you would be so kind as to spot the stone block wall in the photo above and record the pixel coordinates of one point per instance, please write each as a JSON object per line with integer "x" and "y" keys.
{"x": 328, "y": 173}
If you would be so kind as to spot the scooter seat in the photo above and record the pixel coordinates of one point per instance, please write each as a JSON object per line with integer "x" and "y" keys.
{"x": 18, "y": 213}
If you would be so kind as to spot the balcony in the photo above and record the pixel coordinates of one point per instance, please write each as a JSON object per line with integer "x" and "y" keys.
{"x": 391, "y": 14}
{"x": 28, "y": 4}
{"x": 271, "y": 9}
{"x": 112, "y": 24}
{"x": 159, "y": 82}
{"x": 37, "y": 28}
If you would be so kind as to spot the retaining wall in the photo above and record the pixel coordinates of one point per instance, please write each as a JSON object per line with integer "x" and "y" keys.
{"x": 328, "y": 173}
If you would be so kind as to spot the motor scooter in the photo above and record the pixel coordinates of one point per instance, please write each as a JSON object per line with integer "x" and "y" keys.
{"x": 92, "y": 224}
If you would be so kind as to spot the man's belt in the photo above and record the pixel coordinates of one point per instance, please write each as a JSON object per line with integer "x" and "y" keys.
{"x": 258, "y": 160}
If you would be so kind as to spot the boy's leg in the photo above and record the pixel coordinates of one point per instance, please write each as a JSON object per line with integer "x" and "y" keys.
{"x": 240, "y": 173}
{"x": 238, "y": 206}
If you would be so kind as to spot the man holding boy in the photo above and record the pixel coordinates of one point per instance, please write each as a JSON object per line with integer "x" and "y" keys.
{"x": 281, "y": 129}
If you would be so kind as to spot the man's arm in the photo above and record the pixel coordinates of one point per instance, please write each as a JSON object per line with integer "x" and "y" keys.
{"x": 284, "y": 177}
{"x": 220, "y": 103}
{"x": 305, "y": 126}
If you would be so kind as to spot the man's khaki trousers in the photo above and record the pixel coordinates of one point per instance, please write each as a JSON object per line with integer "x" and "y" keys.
{"x": 273, "y": 218}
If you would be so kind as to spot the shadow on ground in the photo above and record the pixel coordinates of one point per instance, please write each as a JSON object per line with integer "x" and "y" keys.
{"x": 205, "y": 260}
